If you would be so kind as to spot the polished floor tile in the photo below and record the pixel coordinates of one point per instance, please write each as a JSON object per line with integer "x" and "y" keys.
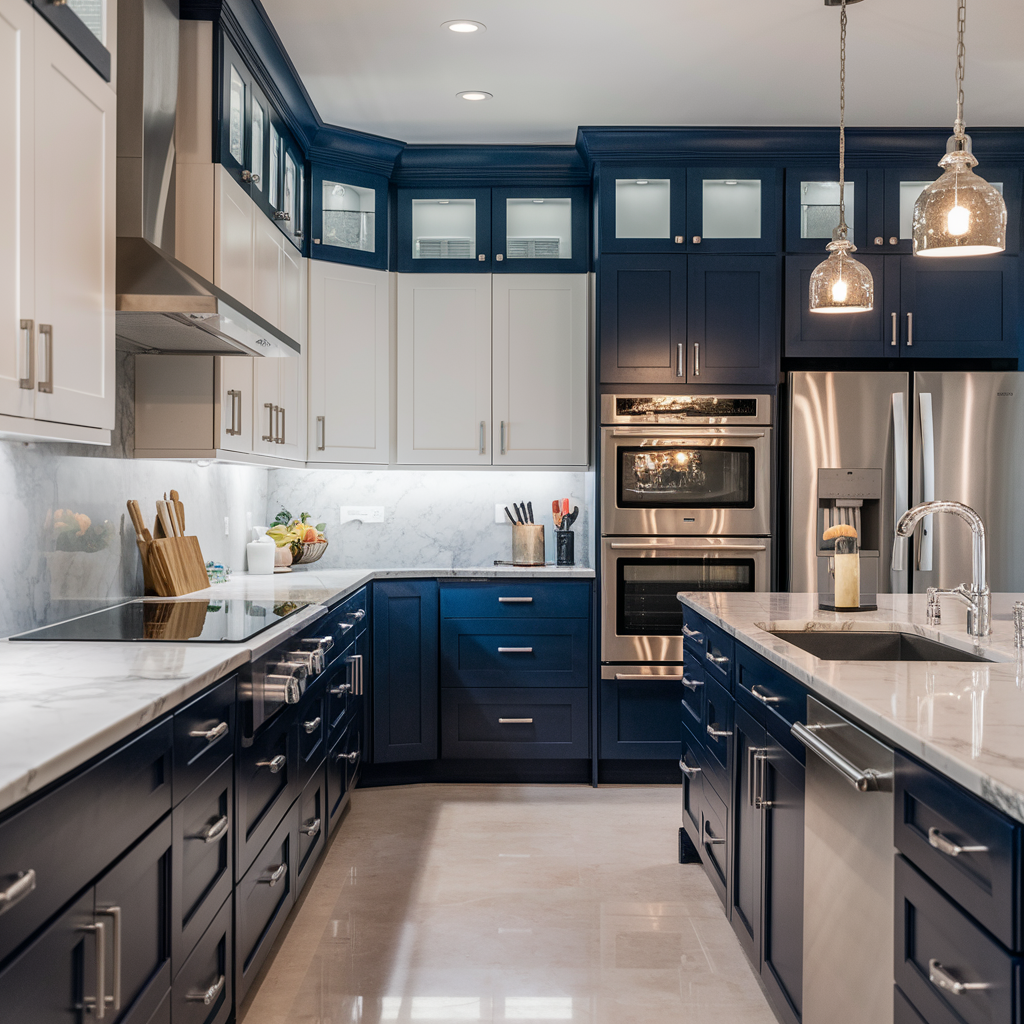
{"x": 493, "y": 904}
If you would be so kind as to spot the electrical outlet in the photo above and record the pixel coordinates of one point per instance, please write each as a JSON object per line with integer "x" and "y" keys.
{"x": 499, "y": 513}
{"x": 362, "y": 513}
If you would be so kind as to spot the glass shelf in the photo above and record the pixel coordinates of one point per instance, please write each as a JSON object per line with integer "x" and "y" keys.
{"x": 732, "y": 208}
{"x": 538, "y": 229}
{"x": 349, "y": 216}
{"x": 819, "y": 209}
{"x": 642, "y": 207}
{"x": 444, "y": 229}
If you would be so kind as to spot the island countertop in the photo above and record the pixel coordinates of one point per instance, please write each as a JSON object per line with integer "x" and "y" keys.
{"x": 964, "y": 719}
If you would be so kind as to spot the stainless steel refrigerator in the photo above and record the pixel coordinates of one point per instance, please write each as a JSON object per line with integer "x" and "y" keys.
{"x": 866, "y": 446}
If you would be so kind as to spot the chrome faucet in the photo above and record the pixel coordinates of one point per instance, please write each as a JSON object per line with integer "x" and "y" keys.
{"x": 977, "y": 597}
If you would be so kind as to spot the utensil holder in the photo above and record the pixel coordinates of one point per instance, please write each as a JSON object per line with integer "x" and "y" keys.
{"x": 843, "y": 578}
{"x": 527, "y": 544}
{"x": 565, "y": 547}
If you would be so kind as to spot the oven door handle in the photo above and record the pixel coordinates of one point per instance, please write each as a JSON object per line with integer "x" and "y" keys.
{"x": 654, "y": 431}
{"x": 638, "y": 545}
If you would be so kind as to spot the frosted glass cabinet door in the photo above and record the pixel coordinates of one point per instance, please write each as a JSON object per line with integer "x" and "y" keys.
{"x": 643, "y": 209}
{"x": 812, "y": 208}
{"x": 731, "y": 209}
{"x": 349, "y": 217}
{"x": 444, "y": 231}
{"x": 540, "y": 231}
{"x": 235, "y": 116}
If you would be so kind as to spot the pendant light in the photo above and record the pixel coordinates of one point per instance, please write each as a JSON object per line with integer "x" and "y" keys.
{"x": 841, "y": 284}
{"x": 960, "y": 214}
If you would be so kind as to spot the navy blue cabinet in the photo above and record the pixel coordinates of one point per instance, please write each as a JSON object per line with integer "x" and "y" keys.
{"x": 348, "y": 216}
{"x": 444, "y": 230}
{"x": 405, "y": 670}
{"x": 750, "y": 745}
{"x": 640, "y": 713}
{"x": 812, "y": 207}
{"x": 643, "y": 209}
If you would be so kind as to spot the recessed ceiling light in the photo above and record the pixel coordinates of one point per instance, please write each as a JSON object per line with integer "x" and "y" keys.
{"x": 464, "y": 26}
{"x": 474, "y": 95}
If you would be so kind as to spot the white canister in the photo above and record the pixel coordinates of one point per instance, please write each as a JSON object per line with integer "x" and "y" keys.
{"x": 260, "y": 556}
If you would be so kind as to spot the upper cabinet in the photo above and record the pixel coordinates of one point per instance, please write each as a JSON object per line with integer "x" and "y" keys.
{"x": 812, "y": 208}
{"x": 500, "y": 230}
{"x": 696, "y": 209}
{"x": 349, "y": 217}
{"x": 84, "y": 26}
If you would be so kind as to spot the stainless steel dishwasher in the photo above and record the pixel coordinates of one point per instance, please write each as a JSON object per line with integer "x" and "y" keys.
{"x": 848, "y": 872}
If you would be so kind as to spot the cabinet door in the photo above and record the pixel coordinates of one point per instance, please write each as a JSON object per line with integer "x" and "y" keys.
{"x": 959, "y": 308}
{"x": 235, "y": 113}
{"x": 292, "y": 400}
{"x": 234, "y": 377}
{"x": 74, "y": 237}
{"x": 293, "y": 293}
{"x": 405, "y": 690}
{"x": 812, "y": 208}
{"x": 782, "y": 785}
{"x": 349, "y": 217}
{"x": 266, "y": 413}
{"x": 638, "y": 717}
{"x": 540, "y": 370}
{"x": 17, "y": 269}
{"x": 444, "y": 369}
{"x": 349, "y": 339}
{"x": 732, "y": 320}
{"x": 836, "y": 336}
{"x": 643, "y": 209}
{"x": 540, "y": 230}
{"x": 266, "y": 282}
{"x": 749, "y": 745}
{"x": 444, "y": 231}
{"x": 643, "y": 319}
{"x": 233, "y": 240}
{"x": 732, "y": 209}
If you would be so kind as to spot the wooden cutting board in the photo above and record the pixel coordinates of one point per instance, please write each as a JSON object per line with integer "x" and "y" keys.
{"x": 178, "y": 566}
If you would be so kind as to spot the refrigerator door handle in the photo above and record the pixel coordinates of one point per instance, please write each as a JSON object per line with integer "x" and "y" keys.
{"x": 924, "y": 561}
{"x": 900, "y": 480}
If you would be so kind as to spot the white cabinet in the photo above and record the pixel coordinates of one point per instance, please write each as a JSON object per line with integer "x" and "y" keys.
{"x": 540, "y": 369}
{"x": 279, "y": 416}
{"x": 444, "y": 369}
{"x": 57, "y": 237}
{"x": 234, "y": 399}
{"x": 492, "y": 370}
{"x": 349, "y": 343}
{"x": 234, "y": 221}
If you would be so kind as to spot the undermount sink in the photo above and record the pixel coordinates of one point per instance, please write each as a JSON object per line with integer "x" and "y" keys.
{"x": 864, "y": 645}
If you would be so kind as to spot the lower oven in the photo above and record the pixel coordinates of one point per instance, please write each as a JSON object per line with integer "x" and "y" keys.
{"x": 641, "y": 618}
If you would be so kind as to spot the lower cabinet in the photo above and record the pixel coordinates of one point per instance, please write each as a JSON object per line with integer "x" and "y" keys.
{"x": 311, "y": 825}
{"x": 639, "y": 713}
{"x": 748, "y": 833}
{"x": 203, "y": 992}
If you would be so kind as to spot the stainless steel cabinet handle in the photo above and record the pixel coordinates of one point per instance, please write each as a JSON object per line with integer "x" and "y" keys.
{"x": 751, "y": 770}
{"x": 311, "y": 827}
{"x": 946, "y": 845}
{"x": 502, "y": 437}
{"x": 340, "y": 691}
{"x": 311, "y": 727}
{"x": 276, "y": 875}
{"x": 351, "y": 758}
{"x": 717, "y": 659}
{"x": 710, "y": 839}
{"x": 910, "y": 329}
{"x": 46, "y": 386}
{"x": 321, "y": 431}
{"x": 690, "y": 773}
{"x": 941, "y": 978}
{"x": 209, "y": 995}
{"x": 895, "y": 324}
{"x": 865, "y": 780}
{"x": 654, "y": 545}
{"x": 515, "y": 600}
{"x": 760, "y": 774}
{"x": 236, "y": 426}
{"x": 515, "y": 650}
{"x": 649, "y": 677}
{"x": 359, "y": 675}
{"x": 17, "y": 890}
{"x": 696, "y": 359}
{"x": 215, "y": 831}
{"x": 359, "y": 614}
{"x": 718, "y": 734}
{"x": 483, "y": 427}
{"x": 114, "y": 913}
{"x": 680, "y": 370}
{"x": 220, "y": 729}
{"x": 515, "y": 721}
{"x": 275, "y": 764}
{"x": 29, "y": 382}
{"x": 270, "y": 425}
{"x": 692, "y": 634}
{"x": 692, "y": 684}
{"x": 99, "y": 1003}
{"x": 762, "y": 697}
{"x": 283, "y": 436}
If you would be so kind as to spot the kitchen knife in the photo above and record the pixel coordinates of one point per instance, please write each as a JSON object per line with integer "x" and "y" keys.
{"x": 511, "y": 518}
{"x": 529, "y": 509}
{"x": 165, "y": 518}
{"x": 519, "y": 514}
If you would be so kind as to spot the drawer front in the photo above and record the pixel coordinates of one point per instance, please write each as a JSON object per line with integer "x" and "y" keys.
{"x": 640, "y": 717}
{"x": 693, "y": 792}
{"x": 714, "y": 843}
{"x": 203, "y": 837}
{"x": 695, "y": 634}
{"x": 719, "y": 655}
{"x": 311, "y": 825}
{"x": 311, "y": 736}
{"x": 761, "y": 686}
{"x": 540, "y": 599}
{"x": 202, "y": 992}
{"x": 204, "y": 734}
{"x": 162, "y": 1015}
{"x": 939, "y": 947}
{"x": 986, "y": 883}
{"x": 266, "y": 786}
{"x": 514, "y": 723}
{"x": 343, "y": 622}
{"x": 903, "y": 1011}
{"x": 337, "y": 795}
{"x": 97, "y": 814}
{"x": 692, "y": 690}
{"x": 263, "y": 899}
{"x": 342, "y": 687}
{"x": 718, "y": 720}
{"x": 541, "y": 652}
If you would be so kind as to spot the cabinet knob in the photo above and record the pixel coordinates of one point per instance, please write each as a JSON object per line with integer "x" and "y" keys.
{"x": 893, "y": 240}
{"x": 879, "y": 240}
{"x": 482, "y": 258}
{"x": 680, "y": 239}
{"x": 696, "y": 239}
{"x": 499, "y": 257}
{"x": 316, "y": 241}
{"x": 282, "y": 215}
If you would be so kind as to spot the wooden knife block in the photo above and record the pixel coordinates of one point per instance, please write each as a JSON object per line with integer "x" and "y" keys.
{"x": 173, "y": 566}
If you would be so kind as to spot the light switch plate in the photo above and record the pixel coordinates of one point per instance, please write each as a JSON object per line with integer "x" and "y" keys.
{"x": 362, "y": 513}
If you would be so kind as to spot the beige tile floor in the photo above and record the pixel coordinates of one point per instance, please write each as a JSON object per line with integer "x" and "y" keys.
{"x": 448, "y": 904}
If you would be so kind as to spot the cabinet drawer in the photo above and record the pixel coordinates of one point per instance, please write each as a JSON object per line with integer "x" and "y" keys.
{"x": 640, "y": 714}
{"x": 695, "y": 637}
{"x": 986, "y": 883}
{"x": 311, "y": 825}
{"x": 542, "y": 652}
{"x": 343, "y": 622}
{"x": 204, "y": 734}
{"x": 266, "y": 786}
{"x": 262, "y": 901}
{"x": 343, "y": 764}
{"x": 311, "y": 733}
{"x": 692, "y": 688}
{"x": 760, "y": 685}
{"x": 203, "y": 839}
{"x": 548, "y": 599}
{"x": 718, "y": 655}
{"x": 342, "y": 682}
{"x": 714, "y": 842}
{"x": 938, "y": 947}
{"x": 514, "y": 723}
{"x": 718, "y": 719}
{"x": 903, "y": 1010}
{"x": 202, "y": 990}
{"x": 97, "y": 814}
{"x": 693, "y": 792}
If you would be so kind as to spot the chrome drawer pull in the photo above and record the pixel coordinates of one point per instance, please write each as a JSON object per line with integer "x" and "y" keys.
{"x": 718, "y": 659}
{"x": 114, "y": 913}
{"x": 693, "y": 634}
{"x": 340, "y": 691}
{"x": 692, "y": 684}
{"x": 515, "y": 650}
{"x": 311, "y": 727}
{"x": 647, "y": 677}
{"x": 515, "y": 600}
{"x": 941, "y": 978}
{"x": 359, "y": 614}
{"x": 220, "y": 729}
{"x": 351, "y": 758}
{"x": 274, "y": 764}
{"x": 209, "y": 995}
{"x": 311, "y": 827}
{"x": 515, "y": 721}
{"x": 946, "y": 845}
{"x": 716, "y": 733}
{"x": 710, "y": 839}
{"x": 762, "y": 698}
{"x": 17, "y": 890}
{"x": 690, "y": 773}
{"x": 99, "y": 1003}
{"x": 214, "y": 832}
{"x": 276, "y": 875}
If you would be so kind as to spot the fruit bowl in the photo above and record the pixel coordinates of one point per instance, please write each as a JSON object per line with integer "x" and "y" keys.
{"x": 311, "y": 552}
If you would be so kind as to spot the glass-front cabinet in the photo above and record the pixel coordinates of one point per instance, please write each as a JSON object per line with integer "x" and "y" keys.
{"x": 812, "y": 208}
{"x": 444, "y": 230}
{"x": 643, "y": 209}
{"x": 540, "y": 230}
{"x": 84, "y": 24}
{"x": 349, "y": 217}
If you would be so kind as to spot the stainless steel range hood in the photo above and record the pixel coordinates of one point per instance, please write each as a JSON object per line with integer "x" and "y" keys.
{"x": 162, "y": 305}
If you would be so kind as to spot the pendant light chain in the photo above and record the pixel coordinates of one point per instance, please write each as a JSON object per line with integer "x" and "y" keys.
{"x": 959, "y": 127}
{"x": 842, "y": 122}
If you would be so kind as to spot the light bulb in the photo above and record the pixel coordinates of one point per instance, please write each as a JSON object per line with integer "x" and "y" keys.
{"x": 839, "y": 290}
{"x": 959, "y": 221}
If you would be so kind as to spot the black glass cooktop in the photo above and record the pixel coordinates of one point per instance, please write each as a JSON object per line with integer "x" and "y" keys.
{"x": 232, "y": 620}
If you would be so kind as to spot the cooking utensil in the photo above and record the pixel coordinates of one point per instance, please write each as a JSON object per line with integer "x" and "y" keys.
{"x": 511, "y": 518}
{"x": 572, "y": 518}
{"x": 556, "y": 514}
{"x": 529, "y": 509}
{"x": 565, "y": 506}
{"x": 179, "y": 510}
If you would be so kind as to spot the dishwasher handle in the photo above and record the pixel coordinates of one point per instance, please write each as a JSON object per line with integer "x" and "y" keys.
{"x": 865, "y": 780}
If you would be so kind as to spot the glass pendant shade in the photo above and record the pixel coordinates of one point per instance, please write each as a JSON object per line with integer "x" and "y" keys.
{"x": 842, "y": 284}
{"x": 961, "y": 214}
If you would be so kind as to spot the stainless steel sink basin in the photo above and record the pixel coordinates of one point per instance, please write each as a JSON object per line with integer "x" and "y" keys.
{"x": 862, "y": 645}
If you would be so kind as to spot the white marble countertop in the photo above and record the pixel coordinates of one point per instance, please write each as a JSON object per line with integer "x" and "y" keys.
{"x": 62, "y": 703}
{"x": 965, "y": 719}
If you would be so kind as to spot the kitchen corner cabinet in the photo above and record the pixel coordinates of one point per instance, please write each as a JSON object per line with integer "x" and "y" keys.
{"x": 349, "y": 217}
{"x": 57, "y": 251}
{"x": 349, "y": 360}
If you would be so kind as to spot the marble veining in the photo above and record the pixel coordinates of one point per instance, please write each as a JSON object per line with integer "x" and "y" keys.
{"x": 965, "y": 719}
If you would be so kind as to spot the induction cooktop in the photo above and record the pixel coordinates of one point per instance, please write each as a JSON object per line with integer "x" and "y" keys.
{"x": 231, "y": 620}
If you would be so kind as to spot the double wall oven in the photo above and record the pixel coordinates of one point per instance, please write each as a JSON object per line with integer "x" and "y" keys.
{"x": 686, "y": 486}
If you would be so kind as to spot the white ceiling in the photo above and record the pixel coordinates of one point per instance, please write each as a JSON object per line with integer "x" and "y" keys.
{"x": 386, "y": 66}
